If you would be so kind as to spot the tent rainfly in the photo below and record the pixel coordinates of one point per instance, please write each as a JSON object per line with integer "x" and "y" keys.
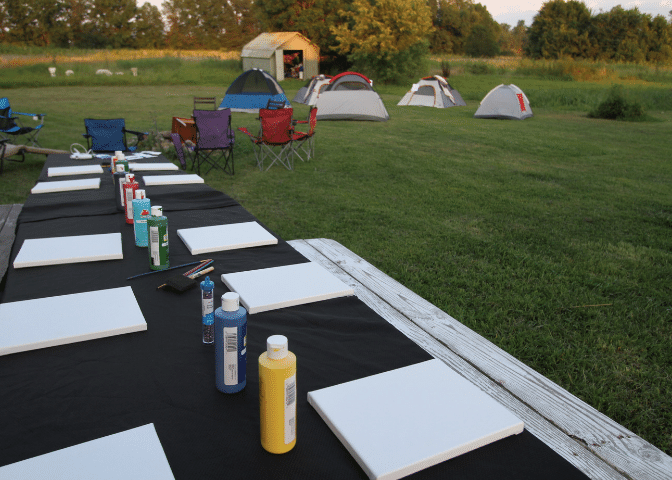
{"x": 350, "y": 96}
{"x": 309, "y": 92}
{"x": 251, "y": 91}
{"x": 281, "y": 54}
{"x": 433, "y": 92}
{"x": 505, "y": 101}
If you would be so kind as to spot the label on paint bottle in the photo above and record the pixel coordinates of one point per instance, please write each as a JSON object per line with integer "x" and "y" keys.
{"x": 230, "y": 355}
{"x": 290, "y": 409}
{"x": 154, "y": 245}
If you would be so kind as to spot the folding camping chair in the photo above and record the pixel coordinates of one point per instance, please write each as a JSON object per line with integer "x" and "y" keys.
{"x": 215, "y": 140}
{"x": 275, "y": 132}
{"x": 303, "y": 143}
{"x": 182, "y": 157}
{"x": 275, "y": 104}
{"x": 208, "y": 101}
{"x": 109, "y": 135}
{"x": 10, "y": 125}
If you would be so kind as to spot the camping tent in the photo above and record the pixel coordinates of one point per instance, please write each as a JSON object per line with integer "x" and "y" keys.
{"x": 309, "y": 92}
{"x": 505, "y": 101}
{"x": 251, "y": 91}
{"x": 281, "y": 53}
{"x": 350, "y": 96}
{"x": 433, "y": 92}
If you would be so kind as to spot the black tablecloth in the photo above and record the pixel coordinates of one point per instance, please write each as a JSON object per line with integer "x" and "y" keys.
{"x": 61, "y": 396}
{"x": 100, "y": 201}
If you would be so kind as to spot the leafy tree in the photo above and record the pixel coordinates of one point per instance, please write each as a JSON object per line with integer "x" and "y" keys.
{"x": 512, "y": 39}
{"x": 631, "y": 36}
{"x": 148, "y": 27}
{"x": 454, "y": 21}
{"x": 481, "y": 42}
{"x": 36, "y": 22}
{"x": 311, "y": 18}
{"x": 561, "y": 29}
{"x": 111, "y": 22}
{"x": 207, "y": 24}
{"x": 386, "y": 39}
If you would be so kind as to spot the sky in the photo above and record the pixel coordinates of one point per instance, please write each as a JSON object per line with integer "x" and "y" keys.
{"x": 510, "y": 11}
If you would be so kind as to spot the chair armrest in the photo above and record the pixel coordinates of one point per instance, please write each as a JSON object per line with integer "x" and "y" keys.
{"x": 39, "y": 115}
{"x": 247, "y": 132}
{"x": 86, "y": 135}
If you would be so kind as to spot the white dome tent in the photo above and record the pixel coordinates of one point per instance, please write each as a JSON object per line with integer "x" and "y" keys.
{"x": 505, "y": 102}
{"x": 432, "y": 92}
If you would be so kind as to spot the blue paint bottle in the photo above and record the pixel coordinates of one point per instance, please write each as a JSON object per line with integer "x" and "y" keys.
{"x": 141, "y": 210}
{"x": 230, "y": 344}
{"x": 207, "y": 310}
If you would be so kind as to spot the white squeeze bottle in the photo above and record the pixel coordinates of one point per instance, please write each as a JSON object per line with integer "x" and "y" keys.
{"x": 277, "y": 396}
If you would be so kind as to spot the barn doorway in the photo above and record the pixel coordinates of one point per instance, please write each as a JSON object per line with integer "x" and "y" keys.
{"x": 293, "y": 63}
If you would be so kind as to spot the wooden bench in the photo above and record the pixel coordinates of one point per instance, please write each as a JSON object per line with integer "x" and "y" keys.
{"x": 591, "y": 441}
{"x": 8, "y": 216}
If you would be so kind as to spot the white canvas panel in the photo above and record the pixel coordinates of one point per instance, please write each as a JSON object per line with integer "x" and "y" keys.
{"x": 66, "y": 185}
{"x": 37, "y": 252}
{"x": 143, "y": 167}
{"x": 218, "y": 238}
{"x": 47, "y": 322}
{"x": 154, "y": 180}
{"x": 280, "y": 287}
{"x": 400, "y": 422}
{"x": 134, "y": 454}
{"x": 74, "y": 170}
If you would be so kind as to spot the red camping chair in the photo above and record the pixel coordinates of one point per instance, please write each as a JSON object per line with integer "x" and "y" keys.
{"x": 303, "y": 143}
{"x": 276, "y": 133}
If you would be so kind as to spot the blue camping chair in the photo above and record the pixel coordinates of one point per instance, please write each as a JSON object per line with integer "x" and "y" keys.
{"x": 10, "y": 125}
{"x": 109, "y": 135}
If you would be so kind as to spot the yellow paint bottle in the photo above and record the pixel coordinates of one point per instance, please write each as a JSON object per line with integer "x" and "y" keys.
{"x": 277, "y": 396}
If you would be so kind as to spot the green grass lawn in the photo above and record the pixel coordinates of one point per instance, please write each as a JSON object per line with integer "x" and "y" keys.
{"x": 514, "y": 228}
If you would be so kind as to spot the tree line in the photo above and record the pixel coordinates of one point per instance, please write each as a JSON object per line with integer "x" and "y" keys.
{"x": 347, "y": 31}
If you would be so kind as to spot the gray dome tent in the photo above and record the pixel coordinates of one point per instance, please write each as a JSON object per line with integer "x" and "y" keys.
{"x": 432, "y": 92}
{"x": 505, "y": 101}
{"x": 350, "y": 96}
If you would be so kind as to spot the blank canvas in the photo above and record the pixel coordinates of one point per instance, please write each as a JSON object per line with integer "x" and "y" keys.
{"x": 142, "y": 167}
{"x": 37, "y": 252}
{"x": 400, "y": 422}
{"x": 280, "y": 287}
{"x": 63, "y": 319}
{"x": 66, "y": 185}
{"x": 153, "y": 180}
{"x": 218, "y": 238}
{"x": 134, "y": 454}
{"x": 74, "y": 170}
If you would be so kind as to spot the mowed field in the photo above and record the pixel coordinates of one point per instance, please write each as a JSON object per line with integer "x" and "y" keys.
{"x": 551, "y": 237}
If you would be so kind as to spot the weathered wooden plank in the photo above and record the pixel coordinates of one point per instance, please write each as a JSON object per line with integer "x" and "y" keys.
{"x": 10, "y": 214}
{"x": 570, "y": 449}
{"x": 612, "y": 442}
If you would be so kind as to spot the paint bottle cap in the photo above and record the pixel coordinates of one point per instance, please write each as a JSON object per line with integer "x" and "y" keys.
{"x": 276, "y": 347}
{"x": 230, "y": 301}
{"x": 120, "y": 168}
{"x": 157, "y": 211}
{"x": 130, "y": 177}
{"x": 139, "y": 194}
{"x": 118, "y": 153}
{"x": 207, "y": 284}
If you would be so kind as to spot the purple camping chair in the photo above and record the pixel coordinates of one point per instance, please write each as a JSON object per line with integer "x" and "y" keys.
{"x": 177, "y": 141}
{"x": 215, "y": 140}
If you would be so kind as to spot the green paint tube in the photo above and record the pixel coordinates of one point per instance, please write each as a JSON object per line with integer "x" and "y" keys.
{"x": 157, "y": 228}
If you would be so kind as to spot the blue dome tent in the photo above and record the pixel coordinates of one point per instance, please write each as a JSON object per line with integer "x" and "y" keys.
{"x": 251, "y": 91}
